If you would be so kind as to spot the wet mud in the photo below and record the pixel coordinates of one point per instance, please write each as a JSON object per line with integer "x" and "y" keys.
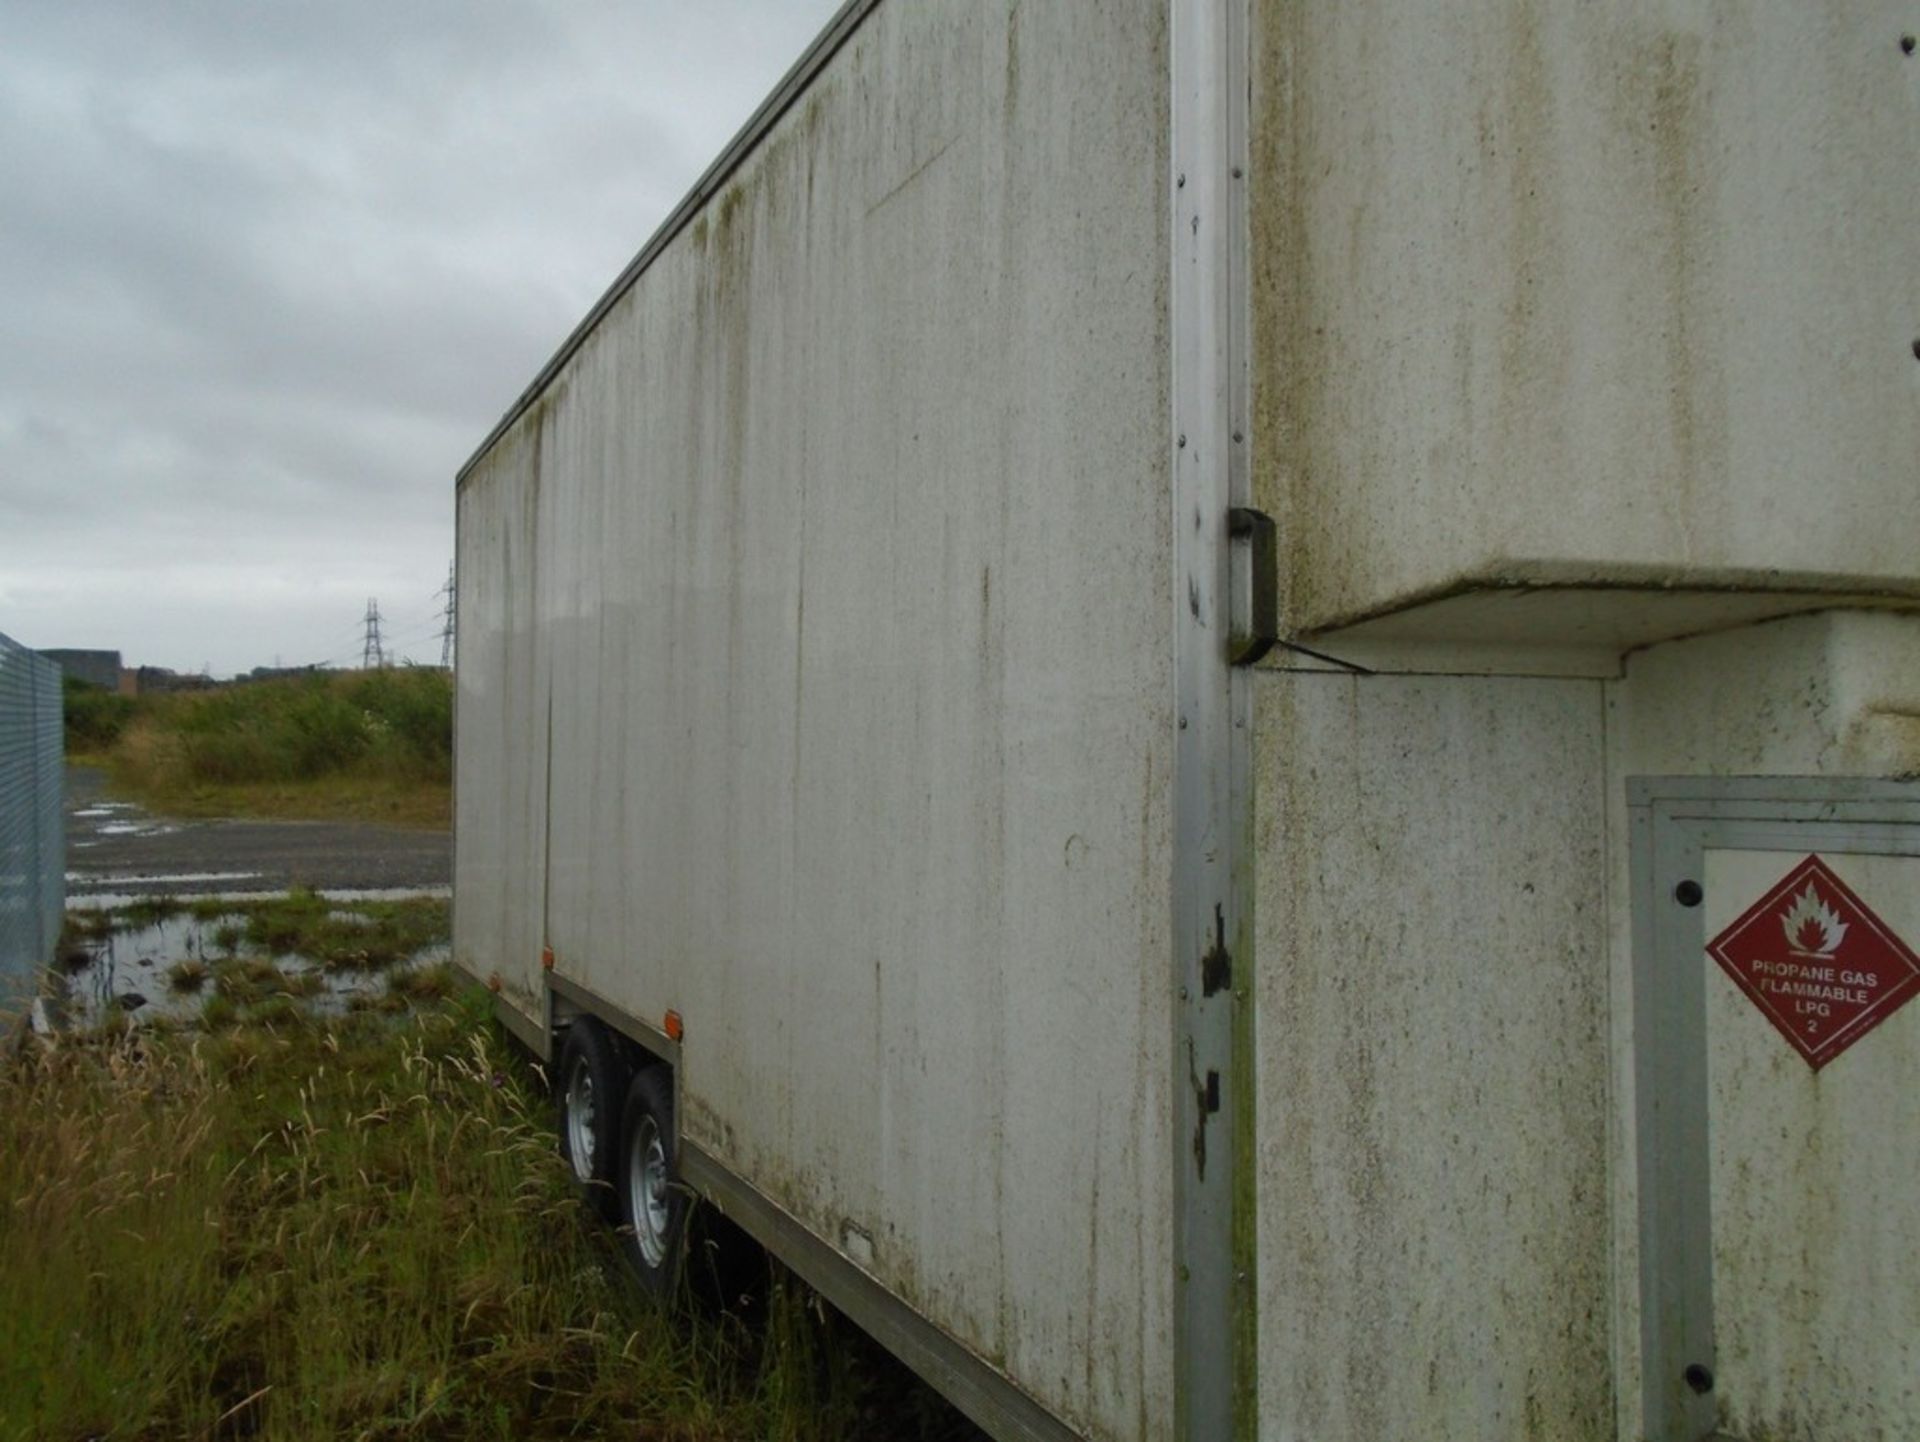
{"x": 116, "y": 849}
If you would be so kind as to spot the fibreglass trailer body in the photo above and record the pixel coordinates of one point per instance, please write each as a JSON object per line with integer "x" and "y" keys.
{"x": 1145, "y": 1035}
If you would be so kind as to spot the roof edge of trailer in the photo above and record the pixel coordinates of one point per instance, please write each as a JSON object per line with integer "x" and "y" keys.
{"x": 792, "y": 86}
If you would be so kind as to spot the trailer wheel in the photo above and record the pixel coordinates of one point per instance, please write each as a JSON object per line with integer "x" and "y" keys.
{"x": 653, "y": 1206}
{"x": 592, "y": 1081}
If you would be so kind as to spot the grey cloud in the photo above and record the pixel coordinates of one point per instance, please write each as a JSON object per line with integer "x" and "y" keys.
{"x": 271, "y": 270}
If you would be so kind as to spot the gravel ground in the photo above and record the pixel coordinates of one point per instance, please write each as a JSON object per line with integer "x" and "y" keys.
{"x": 117, "y": 850}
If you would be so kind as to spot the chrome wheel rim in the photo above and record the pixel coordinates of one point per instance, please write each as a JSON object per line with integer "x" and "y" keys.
{"x": 648, "y": 1194}
{"x": 580, "y": 1119}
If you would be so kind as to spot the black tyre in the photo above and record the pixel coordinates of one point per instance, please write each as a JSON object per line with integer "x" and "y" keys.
{"x": 592, "y": 1082}
{"x": 653, "y": 1204}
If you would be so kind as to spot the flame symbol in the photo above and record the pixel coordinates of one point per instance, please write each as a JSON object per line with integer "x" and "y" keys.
{"x": 1813, "y": 928}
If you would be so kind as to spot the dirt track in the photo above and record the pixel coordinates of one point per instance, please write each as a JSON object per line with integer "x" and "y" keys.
{"x": 116, "y": 849}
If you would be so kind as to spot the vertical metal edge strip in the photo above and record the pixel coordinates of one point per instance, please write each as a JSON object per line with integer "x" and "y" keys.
{"x": 1244, "y": 1300}
{"x": 453, "y": 780}
{"x": 1661, "y": 1096}
{"x": 1680, "y": 955}
{"x": 1670, "y": 1094}
{"x": 1648, "y": 1087}
{"x": 1213, "y": 1311}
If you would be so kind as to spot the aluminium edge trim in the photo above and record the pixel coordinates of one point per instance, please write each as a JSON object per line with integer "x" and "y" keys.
{"x": 987, "y": 1395}
{"x": 792, "y": 86}
{"x": 635, "y": 1030}
{"x": 1211, "y": 961}
{"x": 524, "y": 1029}
{"x": 1672, "y": 821}
{"x": 1729, "y": 797}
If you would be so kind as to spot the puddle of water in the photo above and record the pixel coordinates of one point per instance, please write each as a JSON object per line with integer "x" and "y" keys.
{"x": 134, "y": 878}
{"x": 134, "y": 963}
{"x": 133, "y": 828}
{"x": 183, "y": 883}
{"x": 105, "y": 808}
{"x": 389, "y": 893}
{"x": 111, "y": 900}
{"x": 127, "y": 973}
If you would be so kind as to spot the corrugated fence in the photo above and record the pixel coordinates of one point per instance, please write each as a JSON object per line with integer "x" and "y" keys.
{"x": 33, "y": 850}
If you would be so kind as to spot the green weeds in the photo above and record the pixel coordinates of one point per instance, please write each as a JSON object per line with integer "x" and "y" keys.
{"x": 208, "y": 908}
{"x": 263, "y": 1221}
{"x": 396, "y": 723}
{"x": 148, "y": 911}
{"x": 366, "y": 936}
{"x": 83, "y": 927}
{"x": 373, "y": 745}
{"x": 288, "y": 1228}
{"x": 95, "y": 717}
{"x": 233, "y": 959}
{"x": 428, "y": 983}
{"x": 336, "y": 935}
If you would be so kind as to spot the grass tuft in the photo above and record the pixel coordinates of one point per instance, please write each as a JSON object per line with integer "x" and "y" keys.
{"x": 426, "y": 983}
{"x": 243, "y": 980}
{"x": 86, "y": 926}
{"x": 148, "y": 911}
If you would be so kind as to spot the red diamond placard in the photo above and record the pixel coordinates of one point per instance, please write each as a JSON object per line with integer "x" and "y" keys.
{"x": 1820, "y": 966}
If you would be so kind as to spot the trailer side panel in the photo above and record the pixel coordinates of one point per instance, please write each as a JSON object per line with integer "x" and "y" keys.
{"x": 500, "y": 780}
{"x": 1434, "y": 1055}
{"x": 853, "y": 609}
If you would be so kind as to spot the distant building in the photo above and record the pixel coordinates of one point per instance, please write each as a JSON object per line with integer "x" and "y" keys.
{"x": 96, "y": 668}
{"x": 151, "y": 680}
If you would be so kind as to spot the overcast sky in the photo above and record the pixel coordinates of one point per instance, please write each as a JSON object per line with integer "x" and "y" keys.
{"x": 270, "y": 271}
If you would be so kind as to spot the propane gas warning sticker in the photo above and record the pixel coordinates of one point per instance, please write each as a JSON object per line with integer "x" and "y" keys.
{"x": 1817, "y": 962}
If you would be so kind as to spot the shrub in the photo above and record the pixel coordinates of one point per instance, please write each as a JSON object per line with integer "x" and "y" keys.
{"x": 378, "y": 725}
{"x": 95, "y": 718}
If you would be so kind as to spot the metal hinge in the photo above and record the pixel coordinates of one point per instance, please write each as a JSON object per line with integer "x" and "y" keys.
{"x": 1252, "y": 532}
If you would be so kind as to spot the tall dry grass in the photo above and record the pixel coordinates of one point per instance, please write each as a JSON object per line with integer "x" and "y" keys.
{"x": 352, "y": 1229}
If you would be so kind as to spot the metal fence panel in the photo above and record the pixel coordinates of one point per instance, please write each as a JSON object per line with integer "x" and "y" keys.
{"x": 32, "y": 823}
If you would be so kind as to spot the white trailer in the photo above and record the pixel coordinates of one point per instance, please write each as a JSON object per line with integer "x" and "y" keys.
{"x": 1476, "y": 1015}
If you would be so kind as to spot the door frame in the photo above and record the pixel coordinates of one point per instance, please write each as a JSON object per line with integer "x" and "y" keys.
{"x": 1672, "y": 823}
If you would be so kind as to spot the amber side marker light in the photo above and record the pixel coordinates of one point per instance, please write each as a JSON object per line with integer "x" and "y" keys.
{"x": 546, "y": 958}
{"x": 673, "y": 1026}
